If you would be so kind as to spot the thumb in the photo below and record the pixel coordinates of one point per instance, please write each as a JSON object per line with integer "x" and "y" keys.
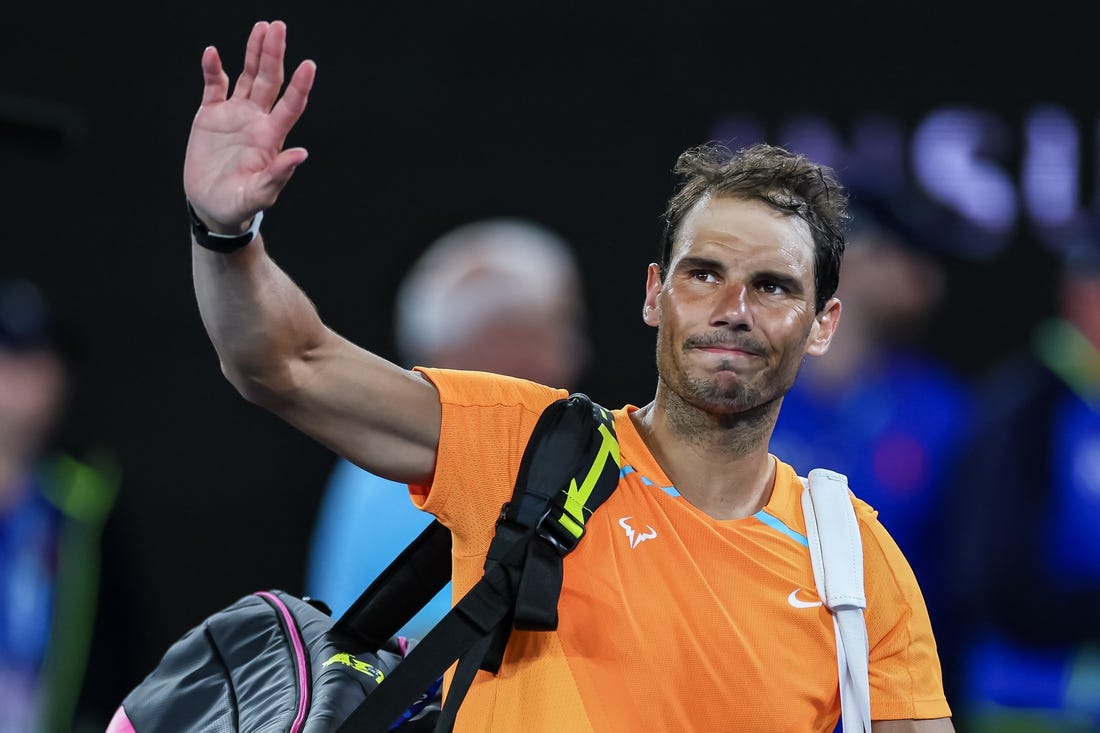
{"x": 281, "y": 169}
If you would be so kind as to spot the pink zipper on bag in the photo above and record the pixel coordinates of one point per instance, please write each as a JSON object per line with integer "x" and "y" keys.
{"x": 299, "y": 657}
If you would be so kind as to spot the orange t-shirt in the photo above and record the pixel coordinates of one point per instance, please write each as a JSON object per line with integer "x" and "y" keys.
{"x": 669, "y": 620}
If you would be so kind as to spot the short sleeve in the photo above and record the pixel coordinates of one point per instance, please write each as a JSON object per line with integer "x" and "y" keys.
{"x": 905, "y": 674}
{"x": 486, "y": 421}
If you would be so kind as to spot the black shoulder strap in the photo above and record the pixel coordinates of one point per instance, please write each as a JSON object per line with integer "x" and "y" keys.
{"x": 413, "y": 578}
{"x": 570, "y": 466}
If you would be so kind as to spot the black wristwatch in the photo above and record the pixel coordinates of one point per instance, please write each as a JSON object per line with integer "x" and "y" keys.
{"x": 224, "y": 243}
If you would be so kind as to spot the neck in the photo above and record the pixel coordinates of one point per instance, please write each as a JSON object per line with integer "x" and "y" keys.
{"x": 718, "y": 462}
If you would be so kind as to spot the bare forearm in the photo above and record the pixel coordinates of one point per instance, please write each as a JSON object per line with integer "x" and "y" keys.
{"x": 259, "y": 320}
{"x": 278, "y": 354}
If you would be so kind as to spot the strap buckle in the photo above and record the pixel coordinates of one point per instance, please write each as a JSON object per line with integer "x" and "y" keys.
{"x": 551, "y": 529}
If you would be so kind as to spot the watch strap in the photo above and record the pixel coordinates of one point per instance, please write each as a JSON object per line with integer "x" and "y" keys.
{"x": 224, "y": 243}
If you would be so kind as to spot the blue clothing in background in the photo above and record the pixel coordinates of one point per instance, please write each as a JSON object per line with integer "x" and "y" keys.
{"x": 363, "y": 523}
{"x": 1026, "y": 581}
{"x": 49, "y": 573}
{"x": 29, "y": 534}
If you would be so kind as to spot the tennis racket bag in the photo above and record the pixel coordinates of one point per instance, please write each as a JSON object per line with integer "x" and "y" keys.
{"x": 269, "y": 662}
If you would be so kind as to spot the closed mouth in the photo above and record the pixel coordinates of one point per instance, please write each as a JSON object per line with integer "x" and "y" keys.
{"x": 726, "y": 349}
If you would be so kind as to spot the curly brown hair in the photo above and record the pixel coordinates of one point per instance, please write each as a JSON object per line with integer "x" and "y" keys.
{"x": 784, "y": 180}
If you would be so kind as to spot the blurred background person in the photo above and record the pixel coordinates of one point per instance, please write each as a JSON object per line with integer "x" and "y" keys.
{"x": 52, "y": 510}
{"x": 498, "y": 295}
{"x": 1026, "y": 536}
{"x": 879, "y": 407}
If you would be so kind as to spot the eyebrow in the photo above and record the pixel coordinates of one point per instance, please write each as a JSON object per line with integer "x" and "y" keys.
{"x": 695, "y": 262}
{"x": 788, "y": 282}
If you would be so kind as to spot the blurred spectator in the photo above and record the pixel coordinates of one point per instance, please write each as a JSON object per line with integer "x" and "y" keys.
{"x": 499, "y": 295}
{"x": 877, "y": 407}
{"x": 1026, "y": 540}
{"x": 52, "y": 509}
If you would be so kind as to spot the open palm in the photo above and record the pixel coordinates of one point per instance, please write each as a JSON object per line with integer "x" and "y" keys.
{"x": 235, "y": 164}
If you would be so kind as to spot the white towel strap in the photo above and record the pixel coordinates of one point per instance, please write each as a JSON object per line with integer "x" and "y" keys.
{"x": 836, "y": 553}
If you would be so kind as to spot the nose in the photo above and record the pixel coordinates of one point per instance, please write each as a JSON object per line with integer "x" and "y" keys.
{"x": 732, "y": 308}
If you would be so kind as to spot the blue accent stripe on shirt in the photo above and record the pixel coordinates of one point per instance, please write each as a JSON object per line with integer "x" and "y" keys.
{"x": 775, "y": 524}
{"x": 646, "y": 481}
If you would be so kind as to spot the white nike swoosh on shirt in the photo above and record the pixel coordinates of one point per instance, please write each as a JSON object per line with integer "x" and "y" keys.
{"x": 794, "y": 601}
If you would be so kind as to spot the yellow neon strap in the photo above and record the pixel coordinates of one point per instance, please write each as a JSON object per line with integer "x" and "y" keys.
{"x": 576, "y": 497}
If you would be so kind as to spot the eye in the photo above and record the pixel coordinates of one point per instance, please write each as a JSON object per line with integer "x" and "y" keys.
{"x": 705, "y": 276}
{"x": 771, "y": 287}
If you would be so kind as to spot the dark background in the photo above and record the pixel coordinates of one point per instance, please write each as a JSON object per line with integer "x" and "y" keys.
{"x": 424, "y": 116}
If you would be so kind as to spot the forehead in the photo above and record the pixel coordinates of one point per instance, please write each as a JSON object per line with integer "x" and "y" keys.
{"x": 746, "y": 228}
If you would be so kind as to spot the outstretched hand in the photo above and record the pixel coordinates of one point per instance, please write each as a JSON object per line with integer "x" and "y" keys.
{"x": 235, "y": 164}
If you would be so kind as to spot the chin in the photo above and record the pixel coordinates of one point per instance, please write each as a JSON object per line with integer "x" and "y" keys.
{"x": 722, "y": 396}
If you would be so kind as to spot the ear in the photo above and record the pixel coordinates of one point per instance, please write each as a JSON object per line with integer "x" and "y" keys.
{"x": 823, "y": 328}
{"x": 651, "y": 309}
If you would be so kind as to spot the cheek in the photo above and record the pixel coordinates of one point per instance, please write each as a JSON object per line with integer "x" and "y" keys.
{"x": 797, "y": 326}
{"x": 681, "y": 305}
{"x": 793, "y": 318}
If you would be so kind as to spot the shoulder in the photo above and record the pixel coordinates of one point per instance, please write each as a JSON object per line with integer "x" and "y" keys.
{"x": 887, "y": 572}
{"x": 883, "y": 560}
{"x": 484, "y": 389}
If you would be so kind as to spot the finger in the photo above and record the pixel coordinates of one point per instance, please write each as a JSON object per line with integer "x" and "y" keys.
{"x": 243, "y": 88}
{"x": 293, "y": 102}
{"x": 215, "y": 82}
{"x": 269, "y": 79}
{"x": 279, "y": 172}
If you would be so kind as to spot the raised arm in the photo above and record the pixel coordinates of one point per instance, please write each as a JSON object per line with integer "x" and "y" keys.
{"x": 273, "y": 346}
